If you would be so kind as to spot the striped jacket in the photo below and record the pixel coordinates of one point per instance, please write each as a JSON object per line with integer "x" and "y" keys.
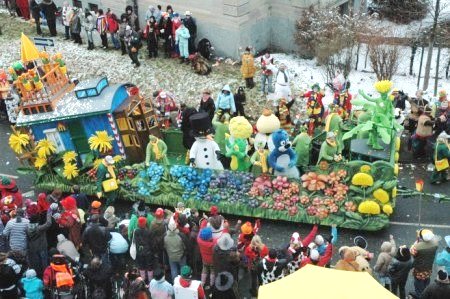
{"x": 17, "y": 233}
{"x": 102, "y": 24}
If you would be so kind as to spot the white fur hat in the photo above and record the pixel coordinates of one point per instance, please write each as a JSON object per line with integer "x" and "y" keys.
{"x": 314, "y": 255}
{"x": 319, "y": 240}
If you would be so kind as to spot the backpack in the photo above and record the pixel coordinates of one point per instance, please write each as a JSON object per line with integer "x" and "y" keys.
{"x": 62, "y": 276}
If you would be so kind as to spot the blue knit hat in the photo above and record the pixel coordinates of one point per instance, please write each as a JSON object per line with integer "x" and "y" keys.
{"x": 206, "y": 234}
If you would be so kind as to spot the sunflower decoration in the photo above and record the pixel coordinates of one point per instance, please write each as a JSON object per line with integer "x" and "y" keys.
{"x": 97, "y": 163}
{"x": 69, "y": 157}
{"x": 117, "y": 158}
{"x": 101, "y": 142}
{"x": 40, "y": 162}
{"x": 70, "y": 171}
{"x": 18, "y": 141}
{"x": 383, "y": 86}
{"x": 45, "y": 148}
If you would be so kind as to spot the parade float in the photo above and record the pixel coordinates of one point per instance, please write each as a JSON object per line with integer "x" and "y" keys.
{"x": 68, "y": 132}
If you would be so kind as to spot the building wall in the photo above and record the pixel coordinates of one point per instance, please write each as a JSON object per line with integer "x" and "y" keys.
{"x": 230, "y": 24}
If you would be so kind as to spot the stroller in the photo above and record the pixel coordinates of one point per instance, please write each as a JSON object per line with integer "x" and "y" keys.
{"x": 59, "y": 278}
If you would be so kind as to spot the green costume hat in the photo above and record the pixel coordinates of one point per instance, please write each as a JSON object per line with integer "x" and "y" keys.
{"x": 186, "y": 272}
{"x": 316, "y": 85}
{"x": 7, "y": 183}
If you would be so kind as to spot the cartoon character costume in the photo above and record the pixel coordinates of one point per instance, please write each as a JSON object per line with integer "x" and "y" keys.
{"x": 283, "y": 158}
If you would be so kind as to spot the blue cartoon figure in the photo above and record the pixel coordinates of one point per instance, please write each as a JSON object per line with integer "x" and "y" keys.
{"x": 283, "y": 158}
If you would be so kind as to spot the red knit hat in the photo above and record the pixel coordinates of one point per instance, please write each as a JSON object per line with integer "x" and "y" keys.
{"x": 159, "y": 213}
{"x": 142, "y": 222}
{"x": 42, "y": 203}
{"x": 214, "y": 211}
{"x": 69, "y": 203}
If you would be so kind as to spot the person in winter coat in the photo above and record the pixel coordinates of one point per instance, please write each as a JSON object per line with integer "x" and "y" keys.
{"x": 443, "y": 258}
{"x": 133, "y": 20}
{"x": 348, "y": 260}
{"x": 185, "y": 287}
{"x": 99, "y": 275}
{"x": 111, "y": 217}
{"x": 176, "y": 23}
{"x": 32, "y": 285}
{"x": 50, "y": 10}
{"x": 121, "y": 32}
{"x": 89, "y": 24}
{"x": 67, "y": 248}
{"x": 158, "y": 231}
{"x": 165, "y": 29}
{"x": 424, "y": 252}
{"x": 191, "y": 25}
{"x": 36, "y": 15}
{"x": 113, "y": 28}
{"x": 239, "y": 101}
{"x": 226, "y": 261}
{"x": 206, "y": 244}
{"x": 182, "y": 41}
{"x": 439, "y": 289}
{"x": 387, "y": 251}
{"x": 66, "y": 14}
{"x": 8, "y": 279}
{"x": 134, "y": 286}
{"x": 102, "y": 28}
{"x": 248, "y": 68}
{"x": 16, "y": 231}
{"x": 96, "y": 238}
{"x": 37, "y": 242}
{"x": 266, "y": 73}
{"x": 225, "y": 101}
{"x": 440, "y": 152}
{"x": 423, "y": 133}
{"x": 75, "y": 26}
{"x": 24, "y": 9}
{"x": 145, "y": 260}
{"x": 133, "y": 43}
{"x": 71, "y": 220}
{"x": 159, "y": 287}
{"x": 175, "y": 248}
{"x": 316, "y": 259}
{"x": 207, "y": 103}
{"x": 270, "y": 268}
{"x": 399, "y": 269}
{"x": 80, "y": 197}
{"x": 152, "y": 12}
{"x": 141, "y": 211}
{"x": 254, "y": 253}
{"x": 151, "y": 35}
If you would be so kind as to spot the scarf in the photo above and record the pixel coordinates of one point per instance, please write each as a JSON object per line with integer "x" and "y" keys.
{"x": 156, "y": 150}
{"x": 111, "y": 171}
{"x": 263, "y": 160}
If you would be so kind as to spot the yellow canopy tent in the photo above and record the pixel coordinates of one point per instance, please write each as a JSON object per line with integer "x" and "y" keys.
{"x": 315, "y": 282}
{"x": 28, "y": 50}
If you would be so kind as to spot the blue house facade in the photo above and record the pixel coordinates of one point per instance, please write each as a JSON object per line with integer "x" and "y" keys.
{"x": 90, "y": 107}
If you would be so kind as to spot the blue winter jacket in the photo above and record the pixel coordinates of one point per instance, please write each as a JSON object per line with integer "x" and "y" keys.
{"x": 321, "y": 249}
{"x": 226, "y": 101}
{"x": 33, "y": 287}
{"x": 443, "y": 259}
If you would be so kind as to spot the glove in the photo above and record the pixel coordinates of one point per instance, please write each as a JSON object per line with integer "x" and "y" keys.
{"x": 54, "y": 206}
{"x": 57, "y": 216}
{"x": 219, "y": 155}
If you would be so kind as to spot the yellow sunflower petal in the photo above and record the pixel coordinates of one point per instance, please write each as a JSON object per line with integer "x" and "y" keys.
{"x": 70, "y": 171}
{"x": 69, "y": 157}
{"x": 40, "y": 162}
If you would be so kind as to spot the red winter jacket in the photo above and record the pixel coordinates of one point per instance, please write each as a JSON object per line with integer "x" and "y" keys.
{"x": 253, "y": 256}
{"x": 113, "y": 24}
{"x": 206, "y": 250}
{"x": 323, "y": 260}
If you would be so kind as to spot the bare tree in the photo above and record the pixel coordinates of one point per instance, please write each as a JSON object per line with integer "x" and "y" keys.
{"x": 383, "y": 58}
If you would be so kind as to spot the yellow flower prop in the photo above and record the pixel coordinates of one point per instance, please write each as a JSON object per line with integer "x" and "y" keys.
{"x": 365, "y": 168}
{"x": 396, "y": 156}
{"x": 362, "y": 179}
{"x": 369, "y": 207}
{"x": 69, "y": 157}
{"x": 101, "y": 141}
{"x": 383, "y": 86}
{"x": 396, "y": 169}
{"x": 70, "y": 171}
{"x": 394, "y": 192}
{"x": 45, "y": 148}
{"x": 117, "y": 158}
{"x": 381, "y": 195}
{"x": 40, "y": 162}
{"x": 387, "y": 209}
{"x": 17, "y": 142}
{"x": 397, "y": 144}
{"x": 97, "y": 163}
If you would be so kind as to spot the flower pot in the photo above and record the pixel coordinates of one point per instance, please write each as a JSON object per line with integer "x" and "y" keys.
{"x": 28, "y": 86}
{"x": 63, "y": 69}
{"x": 38, "y": 85}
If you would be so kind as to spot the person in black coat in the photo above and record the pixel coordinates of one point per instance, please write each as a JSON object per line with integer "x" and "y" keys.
{"x": 99, "y": 276}
{"x": 165, "y": 29}
{"x": 186, "y": 128}
{"x": 399, "y": 269}
{"x": 191, "y": 25}
{"x": 239, "y": 102}
{"x": 8, "y": 279}
{"x": 151, "y": 34}
{"x": 207, "y": 104}
{"x": 145, "y": 259}
{"x": 439, "y": 289}
{"x": 36, "y": 15}
{"x": 49, "y": 9}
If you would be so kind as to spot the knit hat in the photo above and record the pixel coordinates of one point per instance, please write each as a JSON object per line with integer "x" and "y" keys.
{"x": 273, "y": 253}
{"x": 319, "y": 240}
{"x": 206, "y": 234}
{"x": 142, "y": 222}
{"x": 442, "y": 93}
{"x": 96, "y": 204}
{"x": 447, "y": 240}
{"x": 69, "y": 203}
{"x": 403, "y": 254}
{"x": 42, "y": 203}
{"x": 159, "y": 214}
{"x": 30, "y": 273}
{"x": 224, "y": 281}
{"x": 442, "y": 275}
{"x": 7, "y": 183}
{"x": 426, "y": 235}
{"x": 186, "y": 272}
{"x": 172, "y": 224}
{"x": 61, "y": 237}
{"x": 214, "y": 210}
{"x": 247, "y": 228}
{"x": 295, "y": 238}
{"x": 225, "y": 242}
{"x": 32, "y": 210}
{"x": 314, "y": 255}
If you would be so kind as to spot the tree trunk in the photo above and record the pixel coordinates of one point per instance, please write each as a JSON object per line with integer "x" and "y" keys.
{"x": 413, "y": 55}
{"x": 367, "y": 55}
{"x": 426, "y": 77}
{"x": 420, "y": 67}
{"x": 436, "y": 79}
{"x": 357, "y": 56}
{"x": 447, "y": 68}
